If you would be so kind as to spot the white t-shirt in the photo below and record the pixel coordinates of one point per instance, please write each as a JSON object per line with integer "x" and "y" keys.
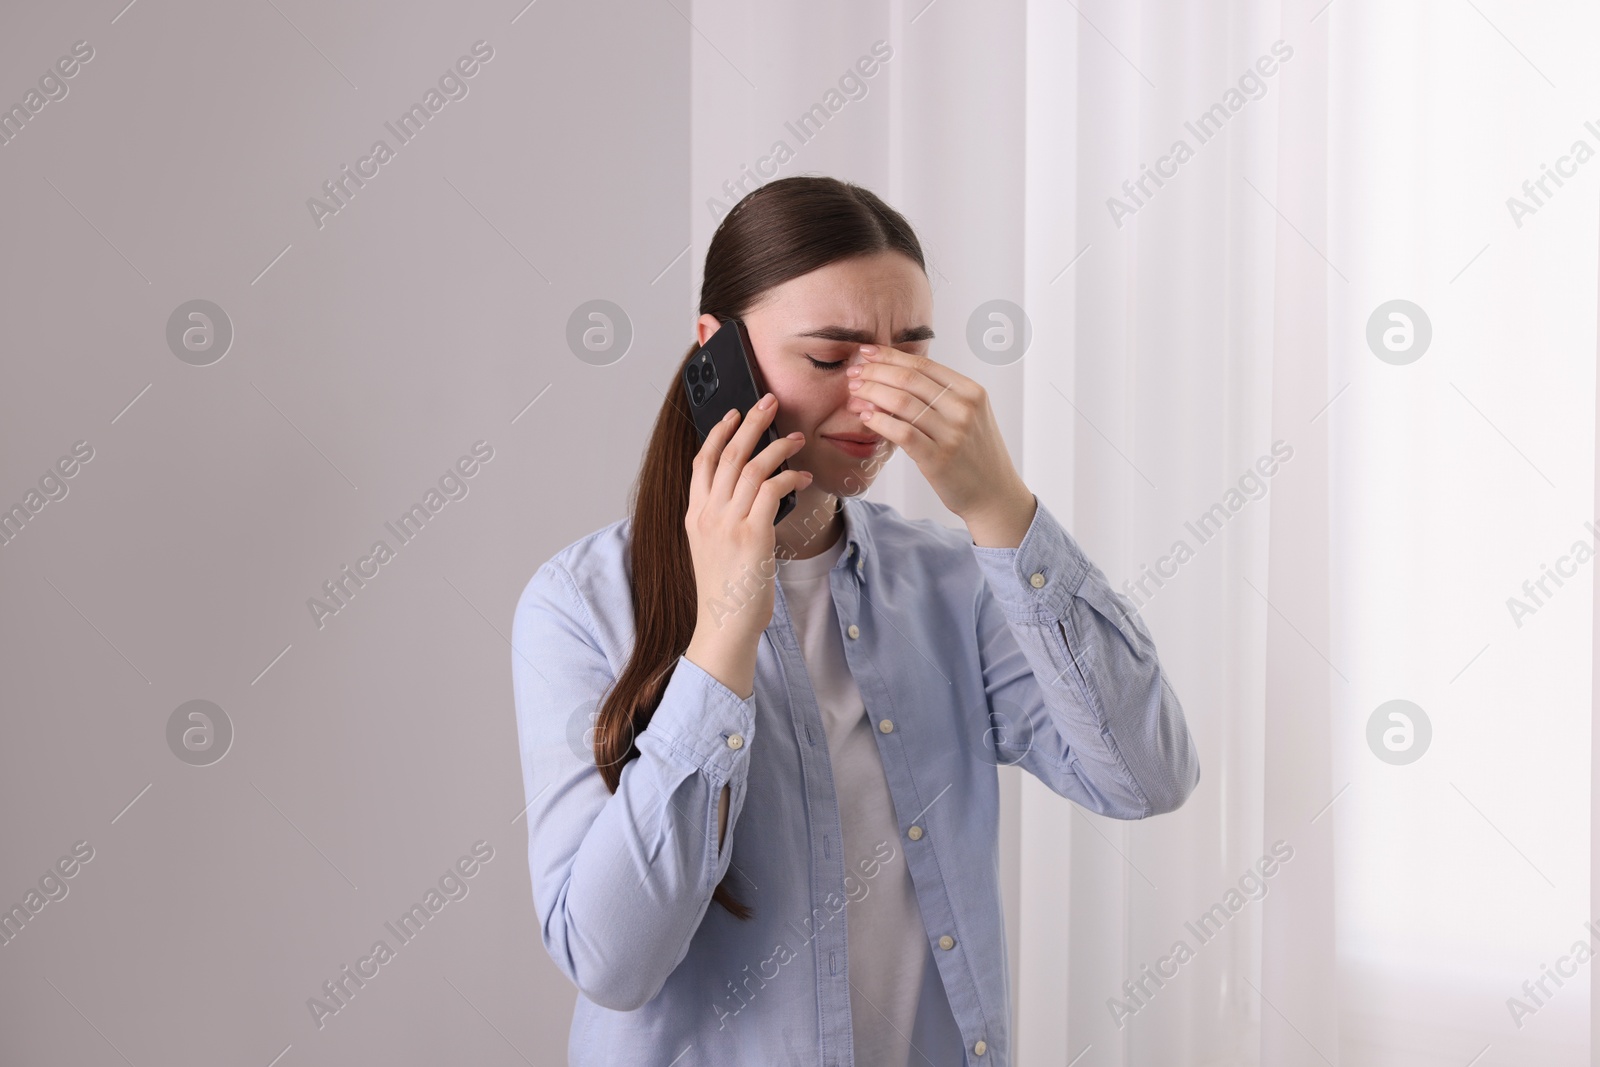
{"x": 890, "y": 959}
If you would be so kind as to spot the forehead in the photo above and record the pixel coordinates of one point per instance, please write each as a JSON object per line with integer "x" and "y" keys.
{"x": 883, "y": 289}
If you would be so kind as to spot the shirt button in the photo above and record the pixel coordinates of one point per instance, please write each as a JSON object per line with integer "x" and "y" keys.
{"x": 979, "y": 1048}
{"x": 915, "y": 833}
{"x": 735, "y": 741}
{"x": 854, "y": 630}
{"x": 947, "y": 942}
{"x": 884, "y": 726}
{"x": 1036, "y": 581}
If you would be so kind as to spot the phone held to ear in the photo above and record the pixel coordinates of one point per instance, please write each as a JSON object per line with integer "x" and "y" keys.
{"x": 723, "y": 375}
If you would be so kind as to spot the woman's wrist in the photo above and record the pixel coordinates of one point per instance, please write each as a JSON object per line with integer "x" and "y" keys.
{"x": 1006, "y": 523}
{"x": 729, "y": 659}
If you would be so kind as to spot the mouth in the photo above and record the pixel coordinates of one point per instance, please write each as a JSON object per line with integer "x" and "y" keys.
{"x": 858, "y": 445}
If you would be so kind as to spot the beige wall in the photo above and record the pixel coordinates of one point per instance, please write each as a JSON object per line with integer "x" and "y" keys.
{"x": 365, "y": 361}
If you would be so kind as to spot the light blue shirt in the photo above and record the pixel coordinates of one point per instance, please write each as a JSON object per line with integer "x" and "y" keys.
{"x": 966, "y": 657}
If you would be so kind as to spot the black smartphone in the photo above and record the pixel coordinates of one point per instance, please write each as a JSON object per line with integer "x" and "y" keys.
{"x": 723, "y": 374}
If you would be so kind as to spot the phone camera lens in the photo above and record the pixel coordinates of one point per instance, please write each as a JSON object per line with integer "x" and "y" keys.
{"x": 694, "y": 374}
{"x": 699, "y": 394}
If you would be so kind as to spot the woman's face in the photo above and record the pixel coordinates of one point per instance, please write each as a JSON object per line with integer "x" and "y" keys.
{"x": 882, "y": 299}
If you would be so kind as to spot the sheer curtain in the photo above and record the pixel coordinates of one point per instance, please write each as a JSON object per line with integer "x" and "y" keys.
{"x": 1199, "y": 207}
{"x": 1188, "y": 370}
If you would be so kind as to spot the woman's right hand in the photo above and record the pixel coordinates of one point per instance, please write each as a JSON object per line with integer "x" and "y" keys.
{"x": 733, "y": 501}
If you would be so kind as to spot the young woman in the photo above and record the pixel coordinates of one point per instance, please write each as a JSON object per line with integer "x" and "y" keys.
{"x": 760, "y": 759}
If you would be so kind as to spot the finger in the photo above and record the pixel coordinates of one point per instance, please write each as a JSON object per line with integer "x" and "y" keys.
{"x": 773, "y": 490}
{"x": 759, "y": 470}
{"x": 936, "y": 422}
{"x": 705, "y": 460}
{"x": 737, "y": 451}
{"x": 903, "y": 434}
{"x": 919, "y": 376}
{"x": 941, "y": 375}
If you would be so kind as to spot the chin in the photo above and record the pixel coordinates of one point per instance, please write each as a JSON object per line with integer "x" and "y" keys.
{"x": 841, "y": 475}
{"x": 853, "y": 480}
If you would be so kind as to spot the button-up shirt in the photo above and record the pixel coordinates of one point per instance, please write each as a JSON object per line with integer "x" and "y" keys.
{"x": 967, "y": 657}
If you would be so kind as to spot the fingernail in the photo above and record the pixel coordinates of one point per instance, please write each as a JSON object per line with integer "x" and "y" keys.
{"x": 730, "y": 414}
{"x": 766, "y": 402}
{"x": 797, "y": 436}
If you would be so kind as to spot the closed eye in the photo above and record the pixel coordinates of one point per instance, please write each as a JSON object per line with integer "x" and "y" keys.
{"x": 825, "y": 365}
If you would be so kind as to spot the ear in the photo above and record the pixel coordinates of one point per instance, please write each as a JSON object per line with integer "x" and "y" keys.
{"x": 705, "y": 326}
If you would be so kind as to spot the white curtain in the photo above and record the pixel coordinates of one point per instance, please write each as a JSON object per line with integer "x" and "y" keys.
{"x": 1189, "y": 340}
{"x": 1199, "y": 402}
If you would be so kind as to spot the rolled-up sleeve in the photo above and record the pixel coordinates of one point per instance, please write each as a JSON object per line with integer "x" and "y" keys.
{"x": 622, "y": 880}
{"x": 1076, "y": 691}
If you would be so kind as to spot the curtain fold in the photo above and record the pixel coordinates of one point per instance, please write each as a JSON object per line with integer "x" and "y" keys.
{"x": 1299, "y": 992}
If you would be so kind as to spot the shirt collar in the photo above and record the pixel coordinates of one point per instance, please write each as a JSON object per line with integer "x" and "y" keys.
{"x": 857, "y": 534}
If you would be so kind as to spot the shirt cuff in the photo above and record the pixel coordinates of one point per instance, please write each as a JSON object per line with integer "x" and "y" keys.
{"x": 1035, "y": 581}
{"x": 704, "y": 721}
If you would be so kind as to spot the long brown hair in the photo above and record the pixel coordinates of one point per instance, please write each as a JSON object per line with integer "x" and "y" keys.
{"x": 783, "y": 229}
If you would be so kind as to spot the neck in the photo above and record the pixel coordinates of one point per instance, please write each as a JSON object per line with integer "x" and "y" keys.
{"x": 813, "y": 527}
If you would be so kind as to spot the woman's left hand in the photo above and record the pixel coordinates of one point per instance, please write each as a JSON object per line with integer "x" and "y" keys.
{"x": 943, "y": 421}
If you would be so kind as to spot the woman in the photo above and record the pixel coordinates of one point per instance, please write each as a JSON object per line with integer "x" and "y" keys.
{"x": 760, "y": 759}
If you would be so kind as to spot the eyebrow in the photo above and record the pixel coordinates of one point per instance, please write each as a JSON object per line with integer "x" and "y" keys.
{"x": 862, "y": 337}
